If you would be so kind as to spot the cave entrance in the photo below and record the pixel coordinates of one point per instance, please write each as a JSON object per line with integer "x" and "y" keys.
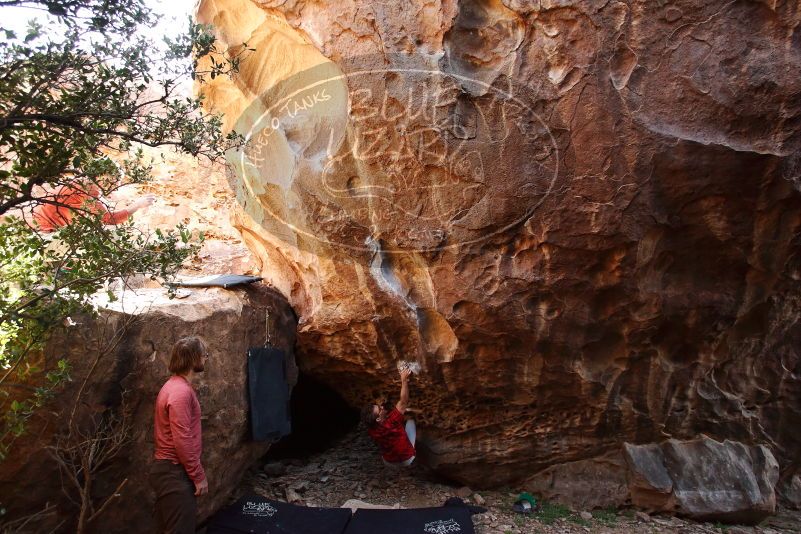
{"x": 320, "y": 416}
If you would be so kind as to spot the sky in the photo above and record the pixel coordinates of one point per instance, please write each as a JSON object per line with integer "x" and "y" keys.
{"x": 171, "y": 16}
{"x": 169, "y": 13}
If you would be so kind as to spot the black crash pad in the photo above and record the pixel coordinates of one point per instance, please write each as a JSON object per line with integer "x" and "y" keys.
{"x": 218, "y": 280}
{"x": 269, "y": 394}
{"x": 255, "y": 514}
{"x": 441, "y": 520}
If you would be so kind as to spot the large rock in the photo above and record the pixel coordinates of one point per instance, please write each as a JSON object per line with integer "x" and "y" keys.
{"x": 704, "y": 479}
{"x": 582, "y": 218}
{"x": 135, "y": 366}
{"x": 583, "y": 484}
{"x": 791, "y": 492}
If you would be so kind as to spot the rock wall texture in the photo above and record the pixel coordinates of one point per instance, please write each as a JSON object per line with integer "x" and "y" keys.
{"x": 581, "y": 217}
{"x": 133, "y": 365}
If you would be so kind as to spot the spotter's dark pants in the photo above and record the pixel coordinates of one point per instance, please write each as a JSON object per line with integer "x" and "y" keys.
{"x": 176, "y": 506}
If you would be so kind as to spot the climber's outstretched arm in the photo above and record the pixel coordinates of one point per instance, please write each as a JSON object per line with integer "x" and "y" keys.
{"x": 403, "y": 403}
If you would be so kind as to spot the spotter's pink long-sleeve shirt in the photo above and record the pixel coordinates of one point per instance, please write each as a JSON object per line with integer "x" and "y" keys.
{"x": 177, "y": 427}
{"x": 51, "y": 217}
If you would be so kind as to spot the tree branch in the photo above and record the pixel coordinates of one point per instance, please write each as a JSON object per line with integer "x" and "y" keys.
{"x": 112, "y": 497}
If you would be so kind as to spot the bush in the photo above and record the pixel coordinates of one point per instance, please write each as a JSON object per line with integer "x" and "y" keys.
{"x": 78, "y": 100}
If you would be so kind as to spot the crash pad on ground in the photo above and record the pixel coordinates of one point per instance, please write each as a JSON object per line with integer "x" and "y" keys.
{"x": 440, "y": 520}
{"x": 257, "y": 515}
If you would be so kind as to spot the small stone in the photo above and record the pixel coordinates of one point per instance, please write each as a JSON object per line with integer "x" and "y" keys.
{"x": 464, "y": 492}
{"x": 275, "y": 469}
{"x": 642, "y": 516}
{"x": 586, "y": 516}
{"x": 292, "y": 496}
{"x": 300, "y": 486}
{"x": 324, "y": 478}
{"x": 478, "y": 499}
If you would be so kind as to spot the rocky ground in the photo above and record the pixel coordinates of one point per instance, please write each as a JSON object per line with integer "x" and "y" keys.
{"x": 352, "y": 469}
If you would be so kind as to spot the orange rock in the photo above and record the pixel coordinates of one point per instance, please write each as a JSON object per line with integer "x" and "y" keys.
{"x": 581, "y": 220}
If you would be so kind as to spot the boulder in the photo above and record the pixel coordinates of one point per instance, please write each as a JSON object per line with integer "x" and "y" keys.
{"x": 132, "y": 337}
{"x": 649, "y": 484}
{"x": 704, "y": 479}
{"x": 790, "y": 490}
{"x": 583, "y": 484}
{"x": 582, "y": 219}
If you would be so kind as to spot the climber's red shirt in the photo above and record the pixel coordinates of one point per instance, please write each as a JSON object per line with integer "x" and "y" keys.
{"x": 391, "y": 438}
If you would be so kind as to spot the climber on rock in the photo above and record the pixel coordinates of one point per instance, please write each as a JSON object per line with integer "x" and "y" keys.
{"x": 394, "y": 440}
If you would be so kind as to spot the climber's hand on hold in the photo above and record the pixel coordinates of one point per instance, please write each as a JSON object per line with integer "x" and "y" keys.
{"x": 404, "y": 392}
{"x": 404, "y": 373}
{"x": 202, "y": 487}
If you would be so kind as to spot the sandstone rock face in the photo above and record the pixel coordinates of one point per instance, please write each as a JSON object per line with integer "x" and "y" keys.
{"x": 195, "y": 194}
{"x": 581, "y": 218}
{"x": 136, "y": 367}
{"x": 704, "y": 479}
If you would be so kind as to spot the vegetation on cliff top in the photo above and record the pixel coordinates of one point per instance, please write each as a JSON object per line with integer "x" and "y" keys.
{"x": 80, "y": 93}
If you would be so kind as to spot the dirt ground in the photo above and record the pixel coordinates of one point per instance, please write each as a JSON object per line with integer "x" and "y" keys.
{"x": 352, "y": 469}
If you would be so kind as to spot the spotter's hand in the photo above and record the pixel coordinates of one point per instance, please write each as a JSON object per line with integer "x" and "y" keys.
{"x": 142, "y": 203}
{"x": 202, "y": 487}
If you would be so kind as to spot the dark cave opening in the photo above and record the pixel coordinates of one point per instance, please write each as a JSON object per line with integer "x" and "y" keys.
{"x": 320, "y": 416}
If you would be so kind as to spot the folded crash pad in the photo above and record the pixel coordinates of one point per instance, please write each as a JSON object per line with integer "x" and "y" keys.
{"x": 269, "y": 394}
{"x": 218, "y": 280}
{"x": 442, "y": 520}
{"x": 255, "y": 514}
